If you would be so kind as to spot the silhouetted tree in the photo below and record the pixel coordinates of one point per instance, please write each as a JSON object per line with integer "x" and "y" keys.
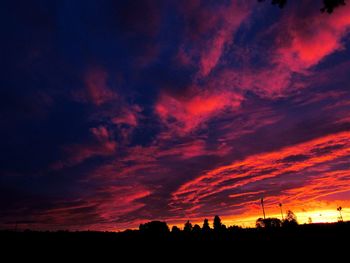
{"x": 154, "y": 228}
{"x": 290, "y": 220}
{"x": 234, "y": 228}
{"x": 188, "y": 227}
{"x": 268, "y": 223}
{"x": 217, "y": 224}
{"x": 175, "y": 230}
{"x": 206, "y": 227}
{"x": 196, "y": 229}
{"x": 328, "y": 5}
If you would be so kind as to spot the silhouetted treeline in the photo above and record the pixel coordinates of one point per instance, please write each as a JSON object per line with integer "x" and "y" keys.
{"x": 154, "y": 239}
{"x": 158, "y": 230}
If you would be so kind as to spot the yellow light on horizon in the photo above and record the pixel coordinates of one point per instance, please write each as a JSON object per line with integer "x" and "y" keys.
{"x": 317, "y": 216}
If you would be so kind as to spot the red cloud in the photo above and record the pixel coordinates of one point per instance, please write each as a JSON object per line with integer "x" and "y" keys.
{"x": 244, "y": 175}
{"x": 103, "y": 208}
{"x": 101, "y": 133}
{"x": 192, "y": 149}
{"x": 232, "y": 18}
{"x": 300, "y": 44}
{"x": 196, "y": 107}
{"x": 96, "y": 88}
{"x": 120, "y": 201}
{"x": 304, "y": 41}
{"x": 128, "y": 115}
{"x": 103, "y": 145}
{"x": 208, "y": 31}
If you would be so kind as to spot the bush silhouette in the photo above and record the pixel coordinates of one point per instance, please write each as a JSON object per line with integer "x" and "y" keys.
{"x": 175, "y": 230}
{"x": 290, "y": 220}
{"x": 154, "y": 228}
{"x": 196, "y": 229}
{"x": 268, "y": 223}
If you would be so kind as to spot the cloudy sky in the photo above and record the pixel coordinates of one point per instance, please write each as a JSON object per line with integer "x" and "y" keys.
{"x": 114, "y": 113}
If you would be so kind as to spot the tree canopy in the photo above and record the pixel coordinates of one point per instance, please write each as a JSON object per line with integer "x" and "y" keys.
{"x": 217, "y": 223}
{"x": 290, "y": 220}
{"x": 188, "y": 226}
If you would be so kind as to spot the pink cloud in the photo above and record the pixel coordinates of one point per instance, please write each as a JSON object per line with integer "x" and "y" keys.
{"x": 298, "y": 159}
{"x": 121, "y": 200}
{"x": 210, "y": 58}
{"x": 193, "y": 149}
{"x": 101, "y": 133}
{"x": 233, "y": 16}
{"x": 209, "y": 31}
{"x": 305, "y": 41}
{"x": 267, "y": 82}
{"x": 194, "y": 108}
{"x": 96, "y": 89}
{"x": 300, "y": 44}
{"x": 103, "y": 145}
{"x": 103, "y": 208}
{"x": 129, "y": 115}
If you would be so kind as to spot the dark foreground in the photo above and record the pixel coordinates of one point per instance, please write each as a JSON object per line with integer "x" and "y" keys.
{"x": 306, "y": 240}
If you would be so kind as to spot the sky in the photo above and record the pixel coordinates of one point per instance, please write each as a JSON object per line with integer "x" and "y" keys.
{"x": 115, "y": 113}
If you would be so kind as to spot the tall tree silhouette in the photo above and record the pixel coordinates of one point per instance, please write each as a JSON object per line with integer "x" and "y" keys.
{"x": 217, "y": 223}
{"x": 206, "y": 227}
{"x": 188, "y": 227}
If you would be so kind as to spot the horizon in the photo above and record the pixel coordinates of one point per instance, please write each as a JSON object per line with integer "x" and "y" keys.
{"x": 116, "y": 113}
{"x": 318, "y": 217}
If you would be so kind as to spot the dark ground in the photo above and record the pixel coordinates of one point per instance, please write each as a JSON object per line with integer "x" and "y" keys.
{"x": 312, "y": 241}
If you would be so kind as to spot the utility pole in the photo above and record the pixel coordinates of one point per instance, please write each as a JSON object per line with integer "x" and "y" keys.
{"x": 340, "y": 217}
{"x": 280, "y": 205}
{"x": 262, "y": 205}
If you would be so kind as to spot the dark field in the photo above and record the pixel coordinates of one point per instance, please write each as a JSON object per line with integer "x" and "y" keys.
{"x": 312, "y": 240}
